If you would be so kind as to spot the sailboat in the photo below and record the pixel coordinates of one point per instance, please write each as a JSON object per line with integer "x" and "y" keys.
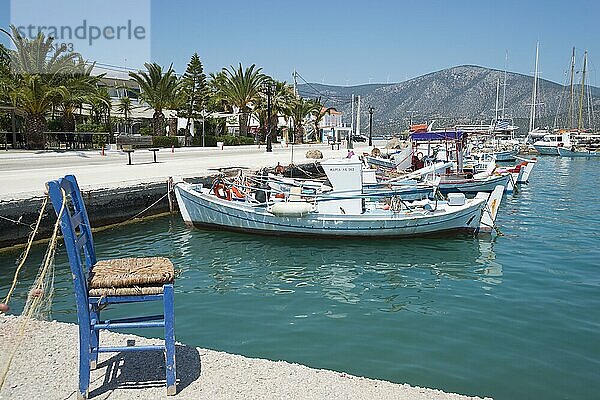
{"x": 584, "y": 144}
{"x": 535, "y": 133}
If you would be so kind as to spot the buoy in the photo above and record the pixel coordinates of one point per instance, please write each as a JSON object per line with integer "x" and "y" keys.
{"x": 386, "y": 207}
{"x": 37, "y": 292}
{"x": 4, "y": 307}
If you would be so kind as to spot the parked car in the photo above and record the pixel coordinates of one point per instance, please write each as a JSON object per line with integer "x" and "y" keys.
{"x": 359, "y": 138}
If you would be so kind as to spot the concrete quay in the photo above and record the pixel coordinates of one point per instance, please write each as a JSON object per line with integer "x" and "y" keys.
{"x": 45, "y": 367}
{"x": 115, "y": 191}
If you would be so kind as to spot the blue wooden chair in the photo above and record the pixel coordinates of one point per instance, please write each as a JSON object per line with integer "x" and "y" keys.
{"x": 101, "y": 283}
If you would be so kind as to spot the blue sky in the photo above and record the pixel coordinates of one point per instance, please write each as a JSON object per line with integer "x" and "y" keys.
{"x": 351, "y": 42}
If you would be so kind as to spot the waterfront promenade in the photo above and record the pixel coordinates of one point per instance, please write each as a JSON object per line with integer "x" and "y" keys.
{"x": 24, "y": 173}
{"x": 46, "y": 367}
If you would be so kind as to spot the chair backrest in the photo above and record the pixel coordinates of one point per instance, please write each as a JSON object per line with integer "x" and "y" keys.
{"x": 77, "y": 233}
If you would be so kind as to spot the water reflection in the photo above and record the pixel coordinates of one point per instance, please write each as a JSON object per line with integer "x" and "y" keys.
{"x": 341, "y": 270}
{"x": 391, "y": 273}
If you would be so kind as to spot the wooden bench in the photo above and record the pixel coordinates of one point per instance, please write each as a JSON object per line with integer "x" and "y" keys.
{"x": 333, "y": 143}
{"x": 134, "y": 141}
{"x": 154, "y": 150}
{"x": 128, "y": 151}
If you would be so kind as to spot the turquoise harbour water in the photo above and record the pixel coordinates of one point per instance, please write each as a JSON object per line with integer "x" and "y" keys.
{"x": 513, "y": 317}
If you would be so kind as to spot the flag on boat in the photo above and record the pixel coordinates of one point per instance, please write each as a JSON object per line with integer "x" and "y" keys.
{"x": 502, "y": 125}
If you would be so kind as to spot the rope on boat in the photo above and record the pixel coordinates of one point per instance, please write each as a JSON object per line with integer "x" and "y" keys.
{"x": 42, "y": 288}
{"x": 494, "y": 226}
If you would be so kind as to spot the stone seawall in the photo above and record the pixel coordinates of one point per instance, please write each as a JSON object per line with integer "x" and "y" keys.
{"x": 105, "y": 206}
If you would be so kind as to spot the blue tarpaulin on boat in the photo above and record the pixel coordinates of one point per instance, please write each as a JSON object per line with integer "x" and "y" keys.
{"x": 437, "y": 135}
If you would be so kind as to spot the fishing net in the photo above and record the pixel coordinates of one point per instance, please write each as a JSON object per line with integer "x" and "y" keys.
{"x": 39, "y": 298}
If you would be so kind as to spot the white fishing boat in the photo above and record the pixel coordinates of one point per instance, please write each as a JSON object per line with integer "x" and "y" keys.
{"x": 550, "y": 143}
{"x": 573, "y": 151}
{"x": 345, "y": 211}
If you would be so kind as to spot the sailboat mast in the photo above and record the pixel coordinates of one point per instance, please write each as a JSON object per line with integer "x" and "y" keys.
{"x": 497, "y": 100}
{"x": 572, "y": 98}
{"x": 504, "y": 86}
{"x": 580, "y": 121}
{"x": 534, "y": 94}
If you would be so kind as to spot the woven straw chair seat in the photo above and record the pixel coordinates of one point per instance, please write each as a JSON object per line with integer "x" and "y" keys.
{"x": 130, "y": 276}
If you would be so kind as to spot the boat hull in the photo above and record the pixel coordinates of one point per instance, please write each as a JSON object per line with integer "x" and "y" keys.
{"x": 505, "y": 155}
{"x": 473, "y": 185}
{"x": 546, "y": 150}
{"x": 202, "y": 209}
{"x": 565, "y": 152}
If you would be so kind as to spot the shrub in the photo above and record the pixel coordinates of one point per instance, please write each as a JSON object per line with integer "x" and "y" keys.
{"x": 91, "y": 127}
{"x": 145, "y": 130}
{"x": 230, "y": 140}
{"x": 209, "y": 140}
{"x": 54, "y": 125}
{"x": 164, "y": 141}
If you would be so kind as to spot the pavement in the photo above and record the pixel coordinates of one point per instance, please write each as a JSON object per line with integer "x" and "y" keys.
{"x": 46, "y": 363}
{"x": 24, "y": 173}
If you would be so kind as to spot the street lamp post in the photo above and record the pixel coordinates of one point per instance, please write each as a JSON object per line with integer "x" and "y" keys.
{"x": 371, "y": 109}
{"x": 268, "y": 86}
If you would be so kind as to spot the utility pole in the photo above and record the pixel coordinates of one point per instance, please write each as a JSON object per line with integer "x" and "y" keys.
{"x": 371, "y": 109}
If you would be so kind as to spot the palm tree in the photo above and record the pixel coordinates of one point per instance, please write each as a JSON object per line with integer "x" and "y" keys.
{"x": 125, "y": 107}
{"x": 40, "y": 80}
{"x": 160, "y": 91}
{"x": 319, "y": 112}
{"x": 240, "y": 88}
{"x": 281, "y": 97}
{"x": 81, "y": 88}
{"x": 299, "y": 109}
{"x": 5, "y": 75}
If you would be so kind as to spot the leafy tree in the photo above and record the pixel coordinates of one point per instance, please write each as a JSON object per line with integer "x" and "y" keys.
{"x": 194, "y": 90}
{"x": 281, "y": 96}
{"x": 299, "y": 109}
{"x": 240, "y": 87}
{"x": 41, "y": 78}
{"x": 160, "y": 90}
{"x": 82, "y": 88}
{"x": 319, "y": 112}
{"x": 5, "y": 75}
{"x": 125, "y": 106}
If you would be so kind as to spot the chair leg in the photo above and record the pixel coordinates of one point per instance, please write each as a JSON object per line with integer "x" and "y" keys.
{"x": 94, "y": 338}
{"x": 169, "y": 314}
{"x": 84, "y": 362}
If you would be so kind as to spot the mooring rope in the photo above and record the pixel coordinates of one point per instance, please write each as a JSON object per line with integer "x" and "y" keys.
{"x": 35, "y": 295}
{"x": 14, "y": 221}
{"x": 149, "y": 207}
{"x": 26, "y": 252}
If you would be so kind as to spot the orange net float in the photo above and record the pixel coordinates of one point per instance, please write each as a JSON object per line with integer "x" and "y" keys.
{"x": 222, "y": 192}
{"x": 237, "y": 193}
